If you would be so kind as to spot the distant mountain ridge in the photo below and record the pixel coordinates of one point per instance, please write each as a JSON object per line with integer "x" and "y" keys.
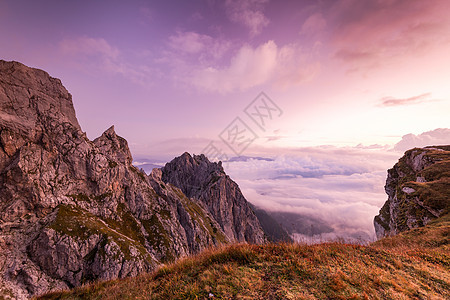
{"x": 74, "y": 210}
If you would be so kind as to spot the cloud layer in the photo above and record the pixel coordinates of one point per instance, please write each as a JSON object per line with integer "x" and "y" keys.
{"x": 342, "y": 187}
{"x": 336, "y": 191}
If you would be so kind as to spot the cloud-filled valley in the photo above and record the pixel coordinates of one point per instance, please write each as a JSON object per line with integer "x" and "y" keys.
{"x": 320, "y": 192}
{"x": 340, "y": 188}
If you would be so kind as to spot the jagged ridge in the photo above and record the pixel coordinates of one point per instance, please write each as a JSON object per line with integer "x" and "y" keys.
{"x": 200, "y": 179}
{"x": 74, "y": 210}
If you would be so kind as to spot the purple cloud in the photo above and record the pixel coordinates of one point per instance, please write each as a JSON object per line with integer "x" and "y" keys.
{"x": 372, "y": 33}
{"x": 248, "y": 13}
{"x": 391, "y": 101}
{"x": 440, "y": 136}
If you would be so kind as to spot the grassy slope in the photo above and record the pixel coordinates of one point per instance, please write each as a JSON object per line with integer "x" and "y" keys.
{"x": 414, "y": 264}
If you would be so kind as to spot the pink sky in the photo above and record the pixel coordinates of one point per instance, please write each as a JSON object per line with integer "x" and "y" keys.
{"x": 345, "y": 72}
{"x": 351, "y": 79}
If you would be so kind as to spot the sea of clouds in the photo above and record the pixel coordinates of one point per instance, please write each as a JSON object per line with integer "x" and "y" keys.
{"x": 342, "y": 188}
{"x": 321, "y": 193}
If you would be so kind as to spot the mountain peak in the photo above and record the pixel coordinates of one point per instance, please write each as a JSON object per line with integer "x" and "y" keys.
{"x": 206, "y": 181}
{"x": 114, "y": 146}
{"x": 30, "y": 99}
{"x": 110, "y": 132}
{"x": 186, "y": 155}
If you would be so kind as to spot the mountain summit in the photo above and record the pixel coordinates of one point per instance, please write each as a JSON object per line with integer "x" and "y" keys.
{"x": 74, "y": 210}
{"x": 207, "y": 182}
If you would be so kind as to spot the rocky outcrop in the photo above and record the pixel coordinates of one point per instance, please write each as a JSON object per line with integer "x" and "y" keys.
{"x": 74, "y": 210}
{"x": 418, "y": 189}
{"x": 201, "y": 179}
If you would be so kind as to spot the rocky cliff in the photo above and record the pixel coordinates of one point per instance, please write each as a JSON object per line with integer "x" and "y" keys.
{"x": 207, "y": 182}
{"x": 74, "y": 210}
{"x": 418, "y": 189}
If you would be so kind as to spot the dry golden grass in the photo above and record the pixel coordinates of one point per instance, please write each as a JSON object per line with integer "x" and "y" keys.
{"x": 412, "y": 265}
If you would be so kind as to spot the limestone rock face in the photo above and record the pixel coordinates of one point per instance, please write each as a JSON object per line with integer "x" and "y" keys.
{"x": 74, "y": 210}
{"x": 201, "y": 179}
{"x": 418, "y": 189}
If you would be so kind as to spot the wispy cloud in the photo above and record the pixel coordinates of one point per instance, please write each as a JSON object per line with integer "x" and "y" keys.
{"x": 147, "y": 14}
{"x": 202, "y": 48}
{"x": 89, "y": 47}
{"x": 190, "y": 42}
{"x": 248, "y": 13}
{"x": 249, "y": 67}
{"x": 314, "y": 24}
{"x": 90, "y": 52}
{"x": 391, "y": 101}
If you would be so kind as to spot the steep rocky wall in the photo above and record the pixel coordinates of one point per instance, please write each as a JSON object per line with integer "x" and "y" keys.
{"x": 74, "y": 210}
{"x": 418, "y": 189}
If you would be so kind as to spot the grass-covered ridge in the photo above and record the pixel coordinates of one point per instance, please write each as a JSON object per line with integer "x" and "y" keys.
{"x": 412, "y": 265}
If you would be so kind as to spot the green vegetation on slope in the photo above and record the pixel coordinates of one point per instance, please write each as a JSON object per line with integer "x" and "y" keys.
{"x": 414, "y": 264}
{"x": 428, "y": 193}
{"x": 80, "y": 224}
